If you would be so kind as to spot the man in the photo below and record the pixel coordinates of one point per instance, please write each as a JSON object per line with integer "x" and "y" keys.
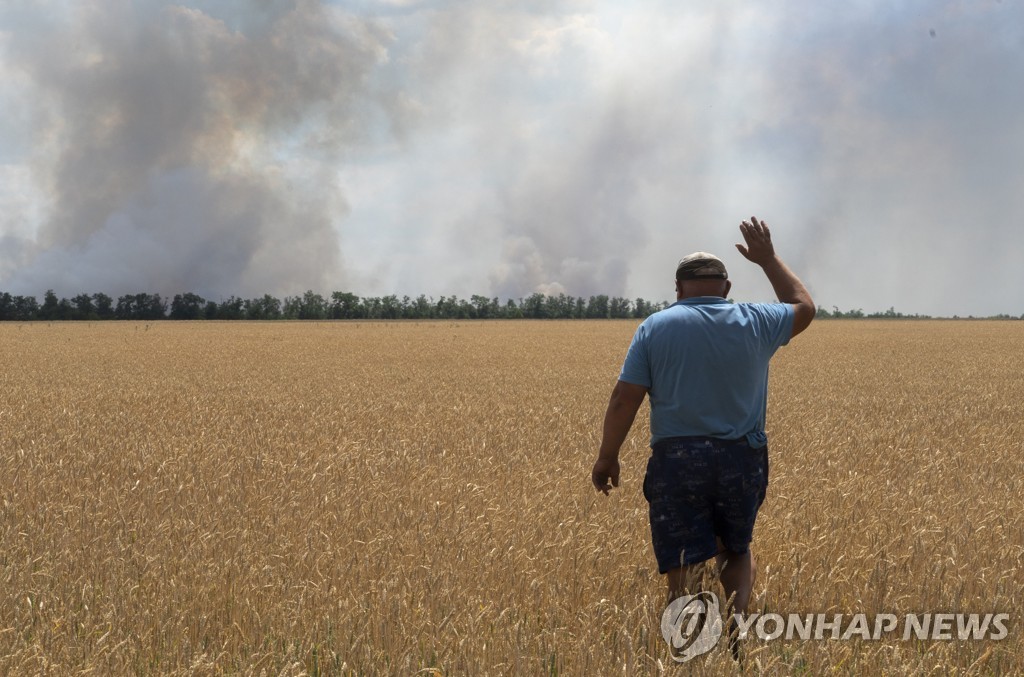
{"x": 704, "y": 363}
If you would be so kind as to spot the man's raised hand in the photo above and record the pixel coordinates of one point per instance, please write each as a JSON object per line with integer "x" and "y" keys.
{"x": 759, "y": 249}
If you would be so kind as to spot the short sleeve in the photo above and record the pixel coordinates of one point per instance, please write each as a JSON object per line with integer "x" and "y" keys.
{"x": 637, "y": 367}
{"x": 778, "y": 320}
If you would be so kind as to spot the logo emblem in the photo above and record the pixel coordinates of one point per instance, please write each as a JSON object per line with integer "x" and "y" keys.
{"x": 692, "y": 625}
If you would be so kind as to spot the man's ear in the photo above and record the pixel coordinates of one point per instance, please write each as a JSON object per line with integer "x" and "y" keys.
{"x": 679, "y": 286}
{"x": 728, "y": 286}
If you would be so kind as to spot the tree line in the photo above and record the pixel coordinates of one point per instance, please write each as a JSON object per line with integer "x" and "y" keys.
{"x": 314, "y": 306}
{"x": 348, "y": 306}
{"x": 858, "y": 314}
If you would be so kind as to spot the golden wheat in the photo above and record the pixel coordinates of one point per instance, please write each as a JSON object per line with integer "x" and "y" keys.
{"x": 398, "y": 498}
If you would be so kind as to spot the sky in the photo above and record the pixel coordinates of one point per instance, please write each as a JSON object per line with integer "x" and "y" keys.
{"x": 503, "y": 148}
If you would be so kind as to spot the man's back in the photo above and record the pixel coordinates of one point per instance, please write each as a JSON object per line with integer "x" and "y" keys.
{"x": 705, "y": 363}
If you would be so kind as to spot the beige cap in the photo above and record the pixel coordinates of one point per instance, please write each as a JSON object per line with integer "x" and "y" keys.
{"x": 701, "y": 265}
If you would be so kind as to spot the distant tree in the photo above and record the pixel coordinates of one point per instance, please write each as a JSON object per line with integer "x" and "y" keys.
{"x": 125, "y": 309}
{"x": 231, "y": 309}
{"x": 618, "y": 307}
{"x": 597, "y": 307}
{"x": 104, "y": 306}
{"x": 26, "y": 308}
{"x": 344, "y": 306}
{"x": 187, "y": 307}
{"x": 887, "y": 315}
{"x": 640, "y": 308}
{"x": 83, "y": 308}
{"x": 458, "y": 309}
{"x": 412, "y": 309}
{"x": 534, "y": 307}
{"x": 153, "y": 307}
{"x": 407, "y": 308}
{"x": 390, "y": 308}
{"x": 290, "y": 307}
{"x": 271, "y": 307}
{"x": 464, "y": 309}
{"x": 481, "y": 306}
{"x": 65, "y": 310}
{"x": 312, "y": 307}
{"x": 562, "y": 306}
{"x": 7, "y": 307}
{"x": 553, "y": 306}
{"x": 51, "y": 306}
{"x": 18, "y": 308}
{"x": 369, "y": 307}
{"x": 140, "y": 307}
{"x": 265, "y": 308}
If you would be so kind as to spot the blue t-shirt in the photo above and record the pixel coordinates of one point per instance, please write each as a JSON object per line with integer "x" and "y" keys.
{"x": 705, "y": 363}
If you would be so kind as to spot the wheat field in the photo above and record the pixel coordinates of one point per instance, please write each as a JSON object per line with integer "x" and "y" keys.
{"x": 414, "y": 498}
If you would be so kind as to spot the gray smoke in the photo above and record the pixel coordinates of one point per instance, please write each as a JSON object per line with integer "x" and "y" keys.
{"x": 184, "y": 150}
{"x": 514, "y": 146}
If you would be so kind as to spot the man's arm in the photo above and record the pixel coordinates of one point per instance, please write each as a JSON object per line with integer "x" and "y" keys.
{"x": 618, "y": 419}
{"x": 788, "y": 287}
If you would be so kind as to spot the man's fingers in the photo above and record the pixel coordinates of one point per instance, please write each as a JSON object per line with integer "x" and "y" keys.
{"x": 758, "y": 240}
{"x": 605, "y": 475}
{"x": 761, "y": 227}
{"x": 602, "y": 484}
{"x": 755, "y": 231}
{"x": 749, "y": 236}
{"x": 750, "y": 233}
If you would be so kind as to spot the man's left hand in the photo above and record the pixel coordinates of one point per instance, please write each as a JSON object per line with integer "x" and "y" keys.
{"x": 605, "y": 474}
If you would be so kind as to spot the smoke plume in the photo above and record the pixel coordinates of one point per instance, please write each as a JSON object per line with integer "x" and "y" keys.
{"x": 508, "y": 147}
{"x": 178, "y": 150}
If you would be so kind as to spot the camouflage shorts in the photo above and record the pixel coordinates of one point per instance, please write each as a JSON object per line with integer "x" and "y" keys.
{"x": 700, "y": 489}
